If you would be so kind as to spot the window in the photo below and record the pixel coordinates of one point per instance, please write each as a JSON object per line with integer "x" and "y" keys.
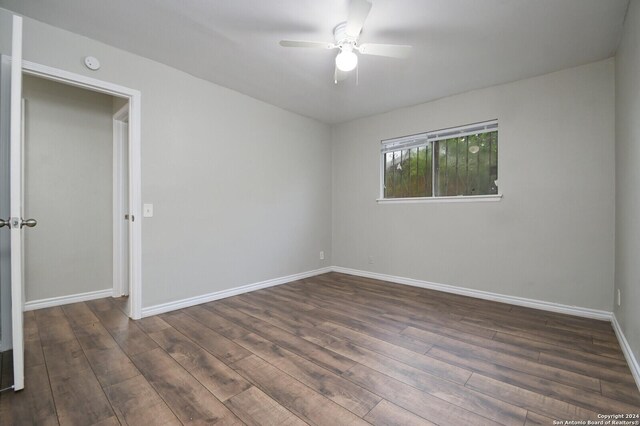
{"x": 460, "y": 161}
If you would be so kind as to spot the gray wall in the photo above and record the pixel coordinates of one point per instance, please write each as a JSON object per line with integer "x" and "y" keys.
{"x": 552, "y": 235}
{"x": 68, "y": 188}
{"x": 241, "y": 189}
{"x": 628, "y": 178}
{"x": 242, "y": 193}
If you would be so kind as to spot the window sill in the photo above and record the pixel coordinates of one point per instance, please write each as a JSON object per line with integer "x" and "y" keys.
{"x": 456, "y": 199}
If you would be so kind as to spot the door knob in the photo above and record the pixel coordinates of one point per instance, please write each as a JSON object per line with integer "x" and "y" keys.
{"x": 6, "y": 223}
{"x": 28, "y": 222}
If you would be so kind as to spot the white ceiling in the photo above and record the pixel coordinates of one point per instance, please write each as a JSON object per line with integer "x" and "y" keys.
{"x": 460, "y": 45}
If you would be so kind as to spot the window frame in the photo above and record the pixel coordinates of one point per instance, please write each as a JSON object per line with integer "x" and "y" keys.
{"x": 432, "y": 137}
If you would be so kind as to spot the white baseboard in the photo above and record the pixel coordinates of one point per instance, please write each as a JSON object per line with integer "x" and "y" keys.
{"x": 496, "y": 297}
{"x": 210, "y": 297}
{"x": 65, "y": 300}
{"x": 626, "y": 350}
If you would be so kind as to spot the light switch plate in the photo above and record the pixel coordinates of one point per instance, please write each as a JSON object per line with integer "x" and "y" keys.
{"x": 147, "y": 210}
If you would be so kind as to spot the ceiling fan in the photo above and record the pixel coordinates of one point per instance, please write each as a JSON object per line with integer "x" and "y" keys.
{"x": 347, "y": 35}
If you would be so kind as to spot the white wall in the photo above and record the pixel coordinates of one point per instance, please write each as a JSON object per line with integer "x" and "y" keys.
{"x": 628, "y": 178}
{"x": 68, "y": 155}
{"x": 241, "y": 189}
{"x": 552, "y": 235}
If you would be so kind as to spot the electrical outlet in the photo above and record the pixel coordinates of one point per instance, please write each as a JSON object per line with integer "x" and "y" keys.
{"x": 619, "y": 297}
{"x": 371, "y": 260}
{"x": 322, "y": 255}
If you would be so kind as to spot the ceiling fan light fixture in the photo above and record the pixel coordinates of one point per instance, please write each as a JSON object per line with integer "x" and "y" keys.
{"x": 346, "y": 60}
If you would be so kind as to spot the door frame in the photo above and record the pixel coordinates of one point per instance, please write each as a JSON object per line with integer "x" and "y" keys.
{"x": 135, "y": 174}
{"x": 120, "y": 123}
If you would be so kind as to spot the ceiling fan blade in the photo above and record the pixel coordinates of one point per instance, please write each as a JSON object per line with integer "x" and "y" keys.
{"x": 389, "y": 50}
{"x": 339, "y": 75}
{"x": 312, "y": 44}
{"x": 358, "y": 12}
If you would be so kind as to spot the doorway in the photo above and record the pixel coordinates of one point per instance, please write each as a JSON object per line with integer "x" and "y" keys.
{"x": 126, "y": 180}
{"x": 67, "y": 179}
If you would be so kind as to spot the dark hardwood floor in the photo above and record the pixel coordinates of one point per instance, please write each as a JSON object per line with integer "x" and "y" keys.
{"x": 332, "y": 349}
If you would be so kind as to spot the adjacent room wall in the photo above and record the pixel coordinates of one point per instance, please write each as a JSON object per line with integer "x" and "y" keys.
{"x": 550, "y": 238}
{"x": 241, "y": 189}
{"x": 628, "y": 178}
{"x": 68, "y": 155}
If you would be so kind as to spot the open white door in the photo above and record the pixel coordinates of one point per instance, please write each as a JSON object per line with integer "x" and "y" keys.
{"x": 16, "y": 221}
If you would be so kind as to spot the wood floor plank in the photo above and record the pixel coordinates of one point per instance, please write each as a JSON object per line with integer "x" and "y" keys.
{"x": 255, "y": 408}
{"x": 190, "y": 401}
{"x": 388, "y": 414}
{"x": 136, "y": 403}
{"x": 33, "y": 354}
{"x": 217, "y": 323}
{"x": 79, "y": 313}
{"x": 447, "y": 341}
{"x": 590, "y": 400}
{"x": 122, "y": 303}
{"x": 109, "y": 363}
{"x": 375, "y": 343}
{"x": 420, "y": 403}
{"x": 79, "y": 398}
{"x": 112, "y": 318}
{"x": 421, "y": 362}
{"x": 604, "y": 334}
{"x": 279, "y": 300}
{"x": 534, "y": 419}
{"x": 529, "y": 400}
{"x": 215, "y": 375}
{"x": 534, "y": 368}
{"x": 352, "y": 397}
{"x": 371, "y": 330}
{"x": 458, "y": 395}
{"x": 433, "y": 319}
{"x": 613, "y": 373}
{"x": 622, "y": 391}
{"x": 64, "y": 357}
{"x": 152, "y": 324}
{"x": 33, "y": 405}
{"x": 111, "y": 421}
{"x": 131, "y": 339}
{"x": 6, "y": 366}
{"x": 218, "y": 345}
{"x": 53, "y": 326}
{"x": 315, "y": 353}
{"x": 290, "y": 393}
{"x": 292, "y": 324}
{"x": 579, "y": 343}
{"x": 574, "y": 352}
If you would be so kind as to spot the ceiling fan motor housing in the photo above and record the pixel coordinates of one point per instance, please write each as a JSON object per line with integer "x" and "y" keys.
{"x": 341, "y": 37}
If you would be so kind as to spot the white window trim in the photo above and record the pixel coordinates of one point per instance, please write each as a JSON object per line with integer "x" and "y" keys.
{"x": 433, "y": 136}
{"x": 451, "y": 199}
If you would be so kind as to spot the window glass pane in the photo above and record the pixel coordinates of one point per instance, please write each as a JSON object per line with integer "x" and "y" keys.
{"x": 467, "y": 165}
{"x": 407, "y": 173}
